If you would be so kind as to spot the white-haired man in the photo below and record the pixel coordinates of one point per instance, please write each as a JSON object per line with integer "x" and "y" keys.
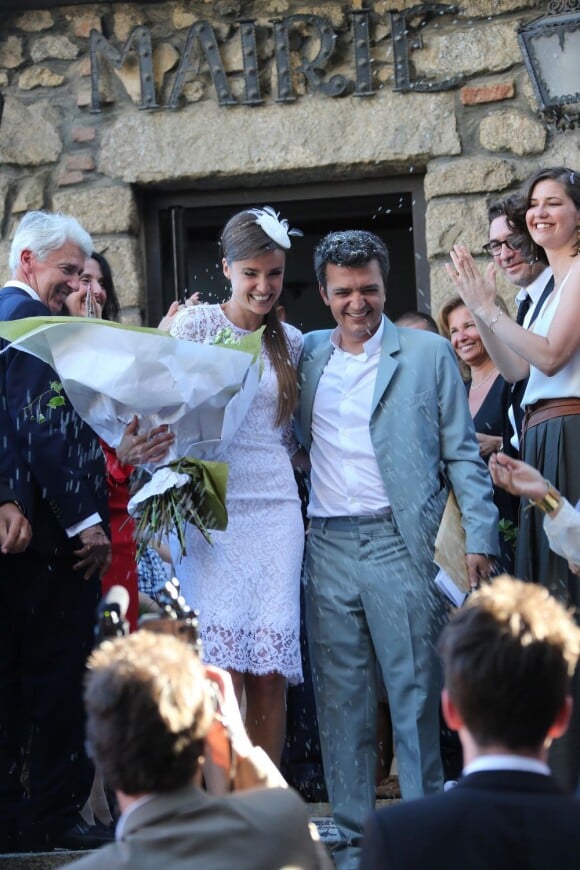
{"x": 48, "y": 593}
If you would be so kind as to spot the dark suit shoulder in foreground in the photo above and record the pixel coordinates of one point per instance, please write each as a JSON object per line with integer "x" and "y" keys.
{"x": 492, "y": 820}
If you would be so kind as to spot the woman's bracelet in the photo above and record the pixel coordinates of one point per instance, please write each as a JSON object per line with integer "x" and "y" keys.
{"x": 550, "y": 501}
{"x": 494, "y": 319}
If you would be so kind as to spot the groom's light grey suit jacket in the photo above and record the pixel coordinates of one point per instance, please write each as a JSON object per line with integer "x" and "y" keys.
{"x": 423, "y": 437}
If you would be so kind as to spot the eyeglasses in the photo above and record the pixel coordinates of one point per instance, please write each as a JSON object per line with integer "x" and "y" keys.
{"x": 493, "y": 248}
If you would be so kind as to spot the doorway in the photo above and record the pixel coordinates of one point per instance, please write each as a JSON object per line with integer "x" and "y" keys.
{"x": 183, "y": 256}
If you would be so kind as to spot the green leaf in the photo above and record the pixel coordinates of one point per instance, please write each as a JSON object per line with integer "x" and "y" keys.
{"x": 56, "y": 402}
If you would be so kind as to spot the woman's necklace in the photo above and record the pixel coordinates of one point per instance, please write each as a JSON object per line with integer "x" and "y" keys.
{"x": 484, "y": 381}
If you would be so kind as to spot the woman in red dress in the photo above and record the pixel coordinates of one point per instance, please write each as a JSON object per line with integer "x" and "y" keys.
{"x": 97, "y": 298}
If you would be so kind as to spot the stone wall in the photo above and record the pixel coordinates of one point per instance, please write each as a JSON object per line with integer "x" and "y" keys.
{"x": 471, "y": 142}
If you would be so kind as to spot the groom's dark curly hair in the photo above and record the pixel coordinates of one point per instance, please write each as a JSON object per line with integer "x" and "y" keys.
{"x": 350, "y": 248}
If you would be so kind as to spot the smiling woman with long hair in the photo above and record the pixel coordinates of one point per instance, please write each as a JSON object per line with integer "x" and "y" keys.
{"x": 246, "y": 586}
{"x": 489, "y": 397}
{"x": 545, "y": 218}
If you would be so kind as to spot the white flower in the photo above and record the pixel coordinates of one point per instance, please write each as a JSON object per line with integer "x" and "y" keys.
{"x": 162, "y": 480}
{"x": 276, "y": 229}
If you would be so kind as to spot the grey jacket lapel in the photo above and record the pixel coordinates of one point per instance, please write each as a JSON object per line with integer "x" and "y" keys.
{"x": 387, "y": 365}
{"x": 311, "y": 370}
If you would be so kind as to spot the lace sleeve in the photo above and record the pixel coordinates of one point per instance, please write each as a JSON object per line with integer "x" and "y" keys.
{"x": 194, "y": 323}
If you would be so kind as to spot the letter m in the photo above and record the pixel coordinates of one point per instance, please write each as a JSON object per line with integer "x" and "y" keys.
{"x": 140, "y": 39}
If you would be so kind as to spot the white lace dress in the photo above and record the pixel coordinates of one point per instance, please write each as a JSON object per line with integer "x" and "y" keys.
{"x": 247, "y": 585}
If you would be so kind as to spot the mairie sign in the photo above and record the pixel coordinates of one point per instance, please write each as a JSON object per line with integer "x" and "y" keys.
{"x": 406, "y": 27}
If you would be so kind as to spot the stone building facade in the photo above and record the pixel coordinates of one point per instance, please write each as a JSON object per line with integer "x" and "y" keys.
{"x": 175, "y": 106}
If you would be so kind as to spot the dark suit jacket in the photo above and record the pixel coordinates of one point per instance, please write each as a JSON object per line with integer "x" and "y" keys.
{"x": 492, "y": 820}
{"x": 55, "y": 468}
{"x": 6, "y": 493}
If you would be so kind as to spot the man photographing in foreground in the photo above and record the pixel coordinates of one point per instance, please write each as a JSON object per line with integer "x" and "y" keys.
{"x": 150, "y": 722}
{"x": 508, "y": 655}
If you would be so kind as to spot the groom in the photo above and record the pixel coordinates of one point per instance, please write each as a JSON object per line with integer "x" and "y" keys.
{"x": 384, "y": 415}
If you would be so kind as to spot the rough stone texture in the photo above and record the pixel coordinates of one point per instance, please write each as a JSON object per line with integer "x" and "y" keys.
{"x": 101, "y": 210}
{"x": 456, "y": 221}
{"x": 3, "y": 78}
{"x": 54, "y": 47}
{"x": 30, "y": 194}
{"x": 513, "y": 131}
{"x": 4, "y": 275}
{"x": 73, "y": 177}
{"x": 82, "y": 161}
{"x": 491, "y": 8}
{"x": 472, "y": 96}
{"x": 11, "y": 52}
{"x": 379, "y": 132}
{"x": 39, "y": 77}
{"x": 479, "y": 48}
{"x": 131, "y": 316}
{"x": 129, "y": 75}
{"x": 21, "y": 147}
{"x": 441, "y": 285}
{"x": 82, "y": 24}
{"x": 182, "y": 18}
{"x": 193, "y": 91}
{"x": 126, "y": 18}
{"x": 165, "y": 58}
{"x": 124, "y": 256}
{"x": 34, "y": 22}
{"x": 4, "y": 189}
{"x": 83, "y": 134}
{"x": 468, "y": 175}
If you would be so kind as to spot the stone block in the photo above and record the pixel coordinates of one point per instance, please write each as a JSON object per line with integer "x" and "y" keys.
{"x": 83, "y": 134}
{"x": 39, "y": 77}
{"x": 34, "y": 22}
{"x": 512, "y": 131}
{"x": 469, "y": 50}
{"x": 11, "y": 52}
{"x": 82, "y": 24}
{"x": 124, "y": 257}
{"x": 4, "y": 256}
{"x": 468, "y": 175}
{"x": 5, "y": 186}
{"x": 386, "y": 131}
{"x": 101, "y": 210}
{"x": 131, "y": 316}
{"x": 57, "y": 47}
{"x": 126, "y": 19}
{"x": 456, "y": 221}
{"x": 182, "y": 18}
{"x": 165, "y": 58}
{"x": 66, "y": 178}
{"x": 3, "y": 78}
{"x": 30, "y": 194}
{"x": 473, "y": 96}
{"x": 33, "y": 138}
{"x": 83, "y": 162}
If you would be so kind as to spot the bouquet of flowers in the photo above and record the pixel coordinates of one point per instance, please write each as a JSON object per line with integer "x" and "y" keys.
{"x": 111, "y": 372}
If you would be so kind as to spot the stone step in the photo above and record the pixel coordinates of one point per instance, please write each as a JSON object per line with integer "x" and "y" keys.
{"x": 319, "y": 813}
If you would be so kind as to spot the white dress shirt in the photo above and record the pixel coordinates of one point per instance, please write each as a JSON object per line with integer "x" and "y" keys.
{"x": 345, "y": 479}
{"x": 506, "y": 762}
{"x": 534, "y": 291}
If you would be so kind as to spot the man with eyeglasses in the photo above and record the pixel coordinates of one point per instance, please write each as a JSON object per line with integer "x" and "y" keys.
{"x": 535, "y": 283}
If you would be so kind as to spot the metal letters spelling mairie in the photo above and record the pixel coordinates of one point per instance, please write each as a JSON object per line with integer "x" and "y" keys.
{"x": 406, "y": 29}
